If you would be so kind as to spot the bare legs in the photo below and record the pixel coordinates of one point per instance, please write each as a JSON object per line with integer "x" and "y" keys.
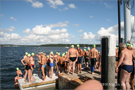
{"x": 43, "y": 73}
{"x": 124, "y": 79}
{"x": 51, "y": 72}
{"x": 39, "y": 69}
{"x": 26, "y": 73}
{"x": 29, "y": 75}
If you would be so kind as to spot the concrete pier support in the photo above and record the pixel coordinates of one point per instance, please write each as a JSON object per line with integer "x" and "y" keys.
{"x": 108, "y": 46}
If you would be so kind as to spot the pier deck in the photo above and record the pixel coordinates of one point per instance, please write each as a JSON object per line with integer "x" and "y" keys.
{"x": 70, "y": 81}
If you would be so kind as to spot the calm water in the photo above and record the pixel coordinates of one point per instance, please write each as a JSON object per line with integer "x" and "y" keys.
{"x": 11, "y": 58}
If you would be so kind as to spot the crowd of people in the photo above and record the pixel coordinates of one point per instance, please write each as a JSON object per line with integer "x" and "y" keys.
{"x": 71, "y": 62}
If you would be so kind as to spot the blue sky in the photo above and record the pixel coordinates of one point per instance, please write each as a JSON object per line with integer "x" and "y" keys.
{"x": 36, "y": 22}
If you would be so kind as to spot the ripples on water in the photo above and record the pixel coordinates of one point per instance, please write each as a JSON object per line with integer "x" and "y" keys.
{"x": 11, "y": 58}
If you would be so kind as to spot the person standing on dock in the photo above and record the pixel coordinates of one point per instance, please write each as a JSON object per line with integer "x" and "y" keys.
{"x": 66, "y": 63}
{"x": 56, "y": 61}
{"x": 32, "y": 62}
{"x": 73, "y": 57}
{"x": 126, "y": 66}
{"x": 94, "y": 57}
{"x": 117, "y": 50}
{"x": 48, "y": 66}
{"x": 39, "y": 57}
{"x": 51, "y": 57}
{"x": 43, "y": 63}
{"x": 26, "y": 65}
{"x": 80, "y": 55}
{"x": 86, "y": 57}
{"x": 61, "y": 60}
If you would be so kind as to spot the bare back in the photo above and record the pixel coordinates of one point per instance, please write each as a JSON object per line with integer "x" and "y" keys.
{"x": 61, "y": 60}
{"x": 94, "y": 53}
{"x": 72, "y": 52}
{"x": 127, "y": 56}
{"x": 43, "y": 59}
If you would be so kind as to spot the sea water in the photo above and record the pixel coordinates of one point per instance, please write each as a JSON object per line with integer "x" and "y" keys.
{"x": 11, "y": 59}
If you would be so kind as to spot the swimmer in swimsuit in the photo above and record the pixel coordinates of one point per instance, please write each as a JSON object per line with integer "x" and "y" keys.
{"x": 19, "y": 76}
{"x": 127, "y": 66}
{"x": 51, "y": 57}
{"x": 94, "y": 58}
{"x": 32, "y": 62}
{"x": 43, "y": 63}
{"x": 48, "y": 66}
{"x": 72, "y": 55}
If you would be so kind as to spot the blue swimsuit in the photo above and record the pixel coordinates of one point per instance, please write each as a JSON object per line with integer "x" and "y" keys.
{"x": 128, "y": 68}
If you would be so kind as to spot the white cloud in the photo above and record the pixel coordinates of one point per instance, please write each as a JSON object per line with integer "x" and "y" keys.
{"x": 80, "y": 31}
{"x": 1, "y": 34}
{"x": 114, "y": 30}
{"x": 75, "y": 25}
{"x": 55, "y": 3}
{"x": 71, "y": 5}
{"x": 13, "y": 18}
{"x": 91, "y": 16}
{"x": 26, "y": 31}
{"x": 88, "y": 36}
{"x": 59, "y": 24}
{"x": 12, "y": 36}
{"x": 9, "y": 29}
{"x": 108, "y": 5}
{"x": 36, "y": 4}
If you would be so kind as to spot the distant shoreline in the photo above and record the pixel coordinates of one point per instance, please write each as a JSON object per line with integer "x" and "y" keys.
{"x": 49, "y": 45}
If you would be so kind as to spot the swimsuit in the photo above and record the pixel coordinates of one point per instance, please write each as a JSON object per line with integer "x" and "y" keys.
{"x": 79, "y": 60}
{"x": 93, "y": 61}
{"x": 27, "y": 67}
{"x": 51, "y": 64}
{"x": 32, "y": 65}
{"x": 61, "y": 65}
{"x": 86, "y": 59}
{"x": 116, "y": 58}
{"x": 58, "y": 63}
{"x": 72, "y": 59}
{"x": 128, "y": 68}
{"x": 20, "y": 75}
{"x": 67, "y": 62}
{"x": 43, "y": 66}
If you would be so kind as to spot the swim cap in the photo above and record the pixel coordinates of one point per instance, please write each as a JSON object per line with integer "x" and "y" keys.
{"x": 66, "y": 52}
{"x": 88, "y": 48}
{"x": 98, "y": 52}
{"x": 131, "y": 45}
{"x": 63, "y": 54}
{"x": 94, "y": 45}
{"x": 29, "y": 55}
{"x": 127, "y": 44}
{"x": 17, "y": 68}
{"x": 78, "y": 45}
{"x": 117, "y": 47}
{"x": 84, "y": 49}
{"x": 72, "y": 45}
{"x": 32, "y": 54}
{"x": 58, "y": 53}
{"x": 47, "y": 56}
{"x": 51, "y": 52}
{"x": 41, "y": 52}
{"x": 26, "y": 53}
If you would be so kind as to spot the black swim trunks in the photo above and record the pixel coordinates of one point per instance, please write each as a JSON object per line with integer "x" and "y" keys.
{"x": 93, "y": 61}
{"x": 27, "y": 67}
{"x": 62, "y": 65}
{"x": 72, "y": 59}
{"x": 116, "y": 58}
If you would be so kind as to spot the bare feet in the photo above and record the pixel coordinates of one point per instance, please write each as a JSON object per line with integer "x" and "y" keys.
{"x": 16, "y": 83}
{"x": 25, "y": 81}
{"x": 29, "y": 82}
{"x": 43, "y": 81}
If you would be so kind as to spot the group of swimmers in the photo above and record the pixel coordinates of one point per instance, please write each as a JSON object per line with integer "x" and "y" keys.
{"x": 72, "y": 59}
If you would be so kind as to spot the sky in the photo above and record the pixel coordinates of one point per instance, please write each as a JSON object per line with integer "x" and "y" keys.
{"x": 37, "y": 22}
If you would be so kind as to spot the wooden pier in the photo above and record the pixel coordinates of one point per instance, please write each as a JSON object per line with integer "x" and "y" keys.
{"x": 70, "y": 81}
